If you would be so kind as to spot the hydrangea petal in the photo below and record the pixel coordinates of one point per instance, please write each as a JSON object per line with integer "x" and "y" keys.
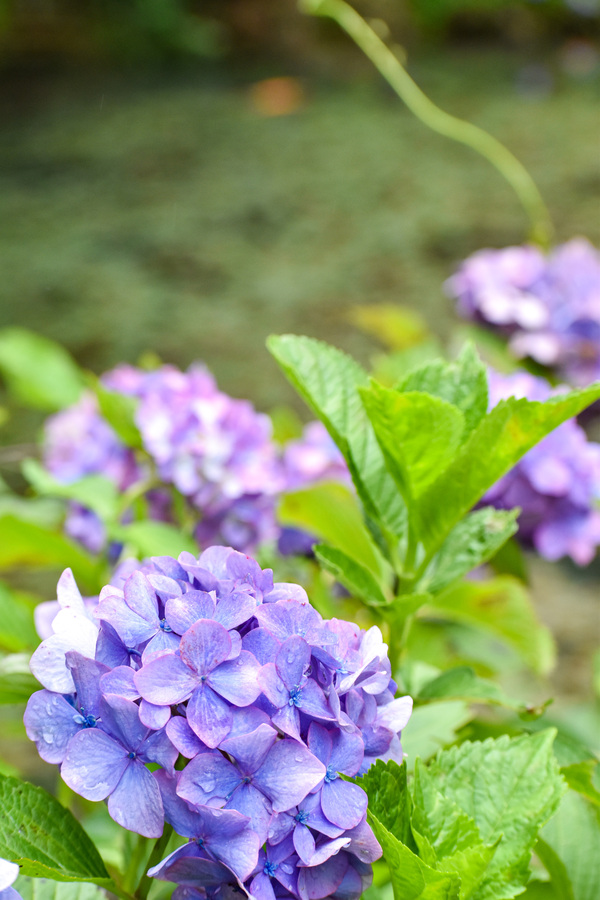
{"x": 343, "y": 803}
{"x": 136, "y": 803}
{"x": 237, "y": 679}
{"x": 209, "y": 716}
{"x": 93, "y": 764}
{"x": 166, "y": 680}
{"x": 205, "y": 645}
{"x": 288, "y": 774}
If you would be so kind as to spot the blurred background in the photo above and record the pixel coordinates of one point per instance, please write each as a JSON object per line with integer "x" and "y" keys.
{"x": 180, "y": 179}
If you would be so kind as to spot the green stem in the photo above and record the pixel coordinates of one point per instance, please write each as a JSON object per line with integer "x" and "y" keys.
{"x": 435, "y": 118}
{"x": 158, "y": 851}
{"x": 137, "y": 855}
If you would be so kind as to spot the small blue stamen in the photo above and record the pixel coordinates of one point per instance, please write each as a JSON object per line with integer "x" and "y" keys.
{"x": 330, "y": 774}
{"x": 200, "y": 842}
{"x": 295, "y": 696}
{"x": 131, "y": 755}
{"x": 165, "y": 626}
{"x": 86, "y": 721}
{"x": 270, "y": 868}
{"x": 301, "y": 817}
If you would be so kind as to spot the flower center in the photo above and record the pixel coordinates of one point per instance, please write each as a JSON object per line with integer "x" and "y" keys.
{"x": 295, "y": 696}
{"x": 132, "y": 754}
{"x": 200, "y": 842}
{"x": 270, "y": 868}
{"x": 301, "y": 817}
{"x": 165, "y": 626}
{"x": 88, "y": 721}
{"x": 330, "y": 774}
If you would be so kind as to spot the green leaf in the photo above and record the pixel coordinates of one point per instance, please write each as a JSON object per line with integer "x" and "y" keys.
{"x": 359, "y": 581}
{"x": 510, "y": 788}
{"x": 501, "y": 607}
{"x": 580, "y": 777}
{"x": 573, "y": 835}
{"x": 398, "y": 327}
{"x": 386, "y": 787}
{"x": 43, "y": 889}
{"x": 17, "y": 631}
{"x": 462, "y": 683}
{"x": 153, "y": 539}
{"x": 27, "y": 544}
{"x": 17, "y": 684}
{"x": 331, "y": 512}
{"x": 119, "y": 412}
{"x": 37, "y": 371}
{"x": 433, "y": 726}
{"x": 418, "y": 434}
{"x": 328, "y": 380}
{"x": 95, "y": 492}
{"x": 411, "y": 877}
{"x": 44, "y": 838}
{"x": 498, "y": 442}
{"x": 472, "y": 542}
{"x": 559, "y": 877}
{"x": 462, "y": 383}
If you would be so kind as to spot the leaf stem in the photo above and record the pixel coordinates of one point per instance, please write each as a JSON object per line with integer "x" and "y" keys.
{"x": 423, "y": 108}
{"x": 155, "y": 857}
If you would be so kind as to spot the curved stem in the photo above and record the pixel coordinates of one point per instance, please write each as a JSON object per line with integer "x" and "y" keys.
{"x": 435, "y": 118}
{"x": 158, "y": 851}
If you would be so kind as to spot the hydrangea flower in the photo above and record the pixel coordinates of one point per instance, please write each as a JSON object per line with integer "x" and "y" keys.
{"x": 548, "y": 306}
{"x": 556, "y": 484}
{"x": 267, "y": 703}
{"x": 8, "y": 875}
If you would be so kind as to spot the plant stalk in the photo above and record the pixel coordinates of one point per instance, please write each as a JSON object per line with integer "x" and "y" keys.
{"x": 155, "y": 857}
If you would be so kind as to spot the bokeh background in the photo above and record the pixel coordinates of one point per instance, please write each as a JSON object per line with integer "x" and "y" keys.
{"x": 182, "y": 178}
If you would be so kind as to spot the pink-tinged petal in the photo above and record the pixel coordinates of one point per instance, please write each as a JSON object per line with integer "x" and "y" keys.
{"x": 136, "y": 803}
{"x": 154, "y": 717}
{"x": 205, "y": 645}
{"x": 140, "y": 597}
{"x": 183, "y": 738}
{"x": 209, "y": 716}
{"x": 237, "y": 679}
{"x": 395, "y": 715}
{"x": 304, "y": 843}
{"x": 287, "y": 719}
{"x": 93, "y": 764}
{"x": 120, "y": 681}
{"x": 250, "y": 802}
{"x": 250, "y": 750}
{"x": 50, "y": 721}
{"x": 292, "y": 661}
{"x": 289, "y": 773}
{"x": 323, "y": 880}
{"x": 166, "y": 680}
{"x": 206, "y": 777}
{"x": 234, "y": 609}
{"x": 262, "y": 644}
{"x": 182, "y": 612}
{"x": 272, "y": 686}
{"x": 363, "y": 843}
{"x": 343, "y": 803}
{"x": 131, "y": 628}
{"x": 285, "y": 591}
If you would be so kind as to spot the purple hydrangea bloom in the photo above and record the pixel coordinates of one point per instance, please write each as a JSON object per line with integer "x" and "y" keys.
{"x": 556, "y": 484}
{"x": 8, "y": 875}
{"x": 211, "y": 661}
{"x": 548, "y": 306}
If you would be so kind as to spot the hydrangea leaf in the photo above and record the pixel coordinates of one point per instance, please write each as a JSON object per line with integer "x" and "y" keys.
{"x": 45, "y": 889}
{"x": 17, "y": 631}
{"x": 580, "y": 777}
{"x": 472, "y": 542}
{"x": 412, "y": 879}
{"x": 386, "y": 786}
{"x": 433, "y": 726}
{"x": 119, "y": 411}
{"x": 574, "y": 836}
{"x": 95, "y": 492}
{"x": 328, "y": 380}
{"x": 419, "y": 435}
{"x": 153, "y": 538}
{"x": 510, "y": 788}
{"x": 502, "y": 607}
{"x": 331, "y": 512}
{"x": 37, "y": 371}
{"x": 44, "y": 838}
{"x": 17, "y": 684}
{"x": 462, "y": 383}
{"x": 356, "y": 578}
{"x": 29, "y": 544}
{"x": 462, "y": 683}
{"x": 499, "y": 441}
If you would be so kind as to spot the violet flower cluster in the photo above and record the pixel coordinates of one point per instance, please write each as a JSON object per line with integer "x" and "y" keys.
{"x": 8, "y": 875}
{"x": 556, "y": 484}
{"x": 547, "y": 306}
{"x": 209, "y": 662}
{"x": 216, "y": 451}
